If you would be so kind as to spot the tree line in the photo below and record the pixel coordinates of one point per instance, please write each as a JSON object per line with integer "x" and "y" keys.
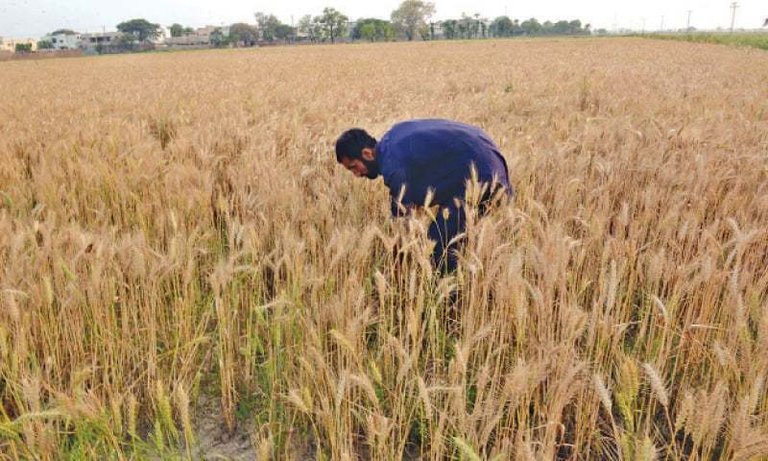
{"x": 412, "y": 20}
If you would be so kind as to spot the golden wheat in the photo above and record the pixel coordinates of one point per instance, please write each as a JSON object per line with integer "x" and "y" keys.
{"x": 179, "y": 253}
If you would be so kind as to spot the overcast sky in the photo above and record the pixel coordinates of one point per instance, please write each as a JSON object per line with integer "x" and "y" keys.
{"x": 33, "y": 18}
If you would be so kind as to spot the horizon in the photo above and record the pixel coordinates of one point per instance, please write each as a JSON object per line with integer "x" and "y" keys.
{"x": 17, "y": 19}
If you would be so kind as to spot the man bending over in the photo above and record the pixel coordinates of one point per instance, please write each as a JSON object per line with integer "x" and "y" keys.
{"x": 418, "y": 156}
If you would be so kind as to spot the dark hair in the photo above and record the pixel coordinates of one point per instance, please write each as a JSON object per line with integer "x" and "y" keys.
{"x": 352, "y": 142}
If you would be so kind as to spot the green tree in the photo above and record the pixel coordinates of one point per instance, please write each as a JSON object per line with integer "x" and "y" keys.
{"x": 502, "y": 27}
{"x": 44, "y": 45}
{"x": 125, "y": 42}
{"x": 285, "y": 32}
{"x": 267, "y": 25}
{"x": 577, "y": 29}
{"x": 531, "y": 26}
{"x": 23, "y": 48}
{"x": 373, "y": 29}
{"x": 334, "y": 23}
{"x": 411, "y": 17}
{"x": 218, "y": 39}
{"x": 368, "y": 32}
{"x": 389, "y": 33}
{"x": 450, "y": 28}
{"x": 141, "y": 29}
{"x": 424, "y": 32}
{"x": 310, "y": 28}
{"x": 516, "y": 29}
{"x": 176, "y": 30}
{"x": 467, "y": 26}
{"x": 242, "y": 33}
{"x": 560, "y": 28}
{"x": 63, "y": 32}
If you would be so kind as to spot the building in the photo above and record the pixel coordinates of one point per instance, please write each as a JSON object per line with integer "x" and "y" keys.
{"x": 201, "y": 37}
{"x": 208, "y": 30}
{"x": 163, "y": 34}
{"x": 9, "y": 44}
{"x": 205, "y": 31}
{"x": 63, "y": 41}
{"x": 105, "y": 39}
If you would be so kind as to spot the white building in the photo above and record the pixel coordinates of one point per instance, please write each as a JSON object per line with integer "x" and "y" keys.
{"x": 63, "y": 41}
{"x": 200, "y": 37}
{"x": 162, "y": 34}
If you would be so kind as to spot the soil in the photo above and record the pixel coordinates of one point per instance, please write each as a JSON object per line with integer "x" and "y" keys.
{"x": 215, "y": 441}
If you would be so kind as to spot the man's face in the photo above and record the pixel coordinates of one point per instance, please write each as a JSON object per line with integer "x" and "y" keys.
{"x": 365, "y": 166}
{"x": 356, "y": 166}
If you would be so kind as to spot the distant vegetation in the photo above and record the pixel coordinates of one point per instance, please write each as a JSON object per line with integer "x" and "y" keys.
{"x": 411, "y": 20}
{"x": 759, "y": 40}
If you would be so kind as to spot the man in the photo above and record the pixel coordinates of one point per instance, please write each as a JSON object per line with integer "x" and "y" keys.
{"x": 418, "y": 157}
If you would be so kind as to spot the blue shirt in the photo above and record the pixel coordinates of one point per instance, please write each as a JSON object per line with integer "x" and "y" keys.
{"x": 419, "y": 155}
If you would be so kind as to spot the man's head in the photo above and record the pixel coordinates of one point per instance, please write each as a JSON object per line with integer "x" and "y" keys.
{"x": 356, "y": 150}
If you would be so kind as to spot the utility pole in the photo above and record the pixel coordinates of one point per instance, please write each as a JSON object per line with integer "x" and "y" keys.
{"x": 643, "y": 25}
{"x": 688, "y": 25}
{"x": 662, "y": 23}
{"x": 734, "y": 5}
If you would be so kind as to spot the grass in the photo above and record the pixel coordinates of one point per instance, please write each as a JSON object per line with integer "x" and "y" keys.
{"x": 184, "y": 265}
{"x": 754, "y": 40}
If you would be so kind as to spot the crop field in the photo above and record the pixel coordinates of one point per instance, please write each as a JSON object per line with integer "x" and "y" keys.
{"x": 185, "y": 271}
{"x": 757, "y": 40}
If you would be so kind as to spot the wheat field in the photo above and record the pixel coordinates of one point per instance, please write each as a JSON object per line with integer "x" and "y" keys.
{"x": 186, "y": 273}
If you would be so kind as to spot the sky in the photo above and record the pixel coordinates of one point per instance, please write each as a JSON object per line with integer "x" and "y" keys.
{"x": 34, "y": 18}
